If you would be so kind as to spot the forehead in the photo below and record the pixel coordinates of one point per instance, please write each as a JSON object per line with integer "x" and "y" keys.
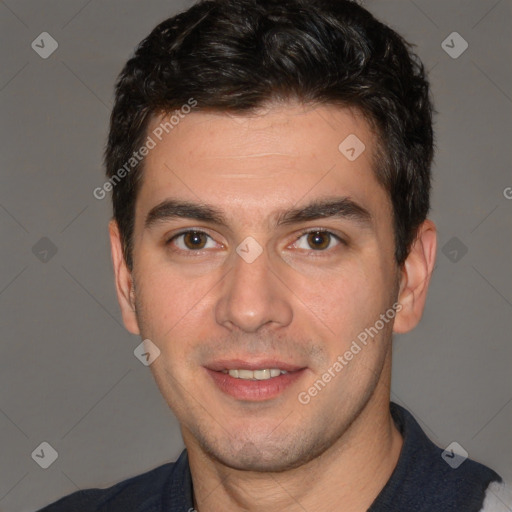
{"x": 262, "y": 162}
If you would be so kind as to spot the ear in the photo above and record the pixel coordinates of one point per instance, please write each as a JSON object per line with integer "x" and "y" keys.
{"x": 415, "y": 278}
{"x": 124, "y": 282}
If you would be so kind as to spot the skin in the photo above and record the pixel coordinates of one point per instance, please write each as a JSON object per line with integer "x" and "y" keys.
{"x": 295, "y": 302}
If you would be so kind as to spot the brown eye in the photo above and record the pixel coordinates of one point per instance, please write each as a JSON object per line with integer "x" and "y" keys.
{"x": 192, "y": 240}
{"x": 195, "y": 240}
{"x": 319, "y": 240}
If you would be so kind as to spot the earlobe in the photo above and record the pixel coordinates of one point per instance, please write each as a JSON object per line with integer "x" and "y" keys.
{"x": 415, "y": 278}
{"x": 124, "y": 282}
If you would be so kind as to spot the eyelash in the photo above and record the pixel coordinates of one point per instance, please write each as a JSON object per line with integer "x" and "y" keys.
{"x": 182, "y": 233}
{"x": 324, "y": 232}
{"x": 302, "y": 233}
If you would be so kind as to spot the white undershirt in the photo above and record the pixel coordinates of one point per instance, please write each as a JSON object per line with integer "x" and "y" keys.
{"x": 498, "y": 498}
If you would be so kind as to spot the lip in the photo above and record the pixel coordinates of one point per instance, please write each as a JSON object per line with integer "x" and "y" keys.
{"x": 254, "y": 364}
{"x": 253, "y": 390}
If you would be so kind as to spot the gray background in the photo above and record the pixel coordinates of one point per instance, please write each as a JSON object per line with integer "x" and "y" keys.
{"x": 68, "y": 374}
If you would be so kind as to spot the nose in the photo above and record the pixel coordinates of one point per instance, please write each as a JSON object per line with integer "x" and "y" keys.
{"x": 252, "y": 296}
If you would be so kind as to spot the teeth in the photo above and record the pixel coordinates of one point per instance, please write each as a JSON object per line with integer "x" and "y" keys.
{"x": 256, "y": 374}
{"x": 244, "y": 374}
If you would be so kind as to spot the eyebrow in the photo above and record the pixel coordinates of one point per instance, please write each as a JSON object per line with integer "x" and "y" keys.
{"x": 339, "y": 207}
{"x": 171, "y": 209}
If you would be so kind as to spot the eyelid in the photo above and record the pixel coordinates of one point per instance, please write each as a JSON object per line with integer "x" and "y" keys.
{"x": 306, "y": 231}
{"x": 302, "y": 232}
{"x": 170, "y": 238}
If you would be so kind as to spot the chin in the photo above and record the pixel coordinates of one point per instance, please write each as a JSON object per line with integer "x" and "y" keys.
{"x": 251, "y": 459}
{"x": 275, "y": 457}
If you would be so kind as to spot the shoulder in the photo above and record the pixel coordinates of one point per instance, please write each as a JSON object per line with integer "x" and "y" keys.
{"x": 428, "y": 477}
{"x": 498, "y": 498}
{"x": 141, "y": 492}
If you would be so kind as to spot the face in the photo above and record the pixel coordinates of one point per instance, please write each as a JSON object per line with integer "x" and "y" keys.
{"x": 261, "y": 250}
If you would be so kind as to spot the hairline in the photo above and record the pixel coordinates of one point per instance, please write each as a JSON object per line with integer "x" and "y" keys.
{"x": 378, "y": 153}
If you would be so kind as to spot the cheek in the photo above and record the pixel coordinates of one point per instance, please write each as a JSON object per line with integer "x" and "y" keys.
{"x": 342, "y": 303}
{"x": 170, "y": 303}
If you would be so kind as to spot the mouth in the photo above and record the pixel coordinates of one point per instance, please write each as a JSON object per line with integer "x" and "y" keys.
{"x": 254, "y": 381}
{"x": 265, "y": 374}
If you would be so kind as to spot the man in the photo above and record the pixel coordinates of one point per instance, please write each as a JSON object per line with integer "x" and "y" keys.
{"x": 270, "y": 169}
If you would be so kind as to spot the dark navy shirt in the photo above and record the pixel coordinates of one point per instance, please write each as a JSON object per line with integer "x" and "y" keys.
{"x": 422, "y": 481}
